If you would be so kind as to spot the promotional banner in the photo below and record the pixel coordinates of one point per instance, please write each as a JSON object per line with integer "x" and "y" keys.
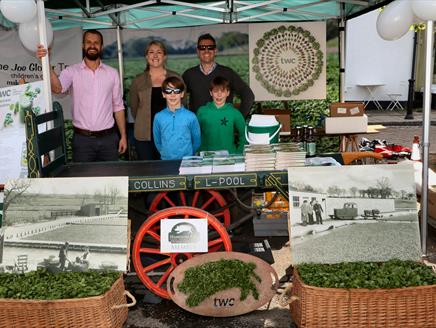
{"x": 181, "y": 44}
{"x": 288, "y": 62}
{"x": 17, "y": 63}
{"x": 13, "y": 103}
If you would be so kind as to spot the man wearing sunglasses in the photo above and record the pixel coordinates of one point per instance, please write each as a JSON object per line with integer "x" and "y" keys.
{"x": 198, "y": 78}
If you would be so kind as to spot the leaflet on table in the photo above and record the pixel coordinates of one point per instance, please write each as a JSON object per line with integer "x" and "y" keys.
{"x": 212, "y": 164}
{"x": 14, "y": 101}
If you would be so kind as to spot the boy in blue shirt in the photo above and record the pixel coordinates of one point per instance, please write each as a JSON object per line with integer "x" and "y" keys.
{"x": 176, "y": 130}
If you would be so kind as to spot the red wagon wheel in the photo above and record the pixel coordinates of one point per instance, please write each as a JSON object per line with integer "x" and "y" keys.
{"x": 209, "y": 200}
{"x": 154, "y": 267}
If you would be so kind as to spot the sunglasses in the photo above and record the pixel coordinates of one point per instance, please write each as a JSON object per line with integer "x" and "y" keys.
{"x": 209, "y": 47}
{"x": 169, "y": 91}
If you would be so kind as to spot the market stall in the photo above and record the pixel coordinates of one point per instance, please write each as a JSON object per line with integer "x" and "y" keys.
{"x": 163, "y": 178}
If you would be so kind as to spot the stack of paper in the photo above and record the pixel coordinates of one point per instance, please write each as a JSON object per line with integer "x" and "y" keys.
{"x": 212, "y": 161}
{"x": 213, "y": 153}
{"x": 195, "y": 165}
{"x": 259, "y": 158}
{"x": 288, "y": 154}
{"x": 230, "y": 163}
{"x": 273, "y": 157}
{"x": 222, "y": 164}
{"x": 285, "y": 159}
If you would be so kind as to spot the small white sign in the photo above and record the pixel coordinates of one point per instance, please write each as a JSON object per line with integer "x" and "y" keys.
{"x": 354, "y": 111}
{"x": 183, "y": 235}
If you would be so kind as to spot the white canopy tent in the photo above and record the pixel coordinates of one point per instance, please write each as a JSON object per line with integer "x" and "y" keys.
{"x": 90, "y": 14}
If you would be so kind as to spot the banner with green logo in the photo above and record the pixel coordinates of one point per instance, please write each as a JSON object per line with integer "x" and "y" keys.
{"x": 14, "y": 101}
{"x": 288, "y": 61}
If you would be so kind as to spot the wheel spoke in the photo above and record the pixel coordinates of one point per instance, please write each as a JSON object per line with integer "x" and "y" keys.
{"x": 194, "y": 200}
{"x": 150, "y": 250}
{"x": 169, "y": 201}
{"x": 153, "y": 234}
{"x": 183, "y": 198}
{"x": 209, "y": 201}
{"x": 156, "y": 265}
{"x": 217, "y": 213}
{"x": 165, "y": 276}
{"x": 214, "y": 242}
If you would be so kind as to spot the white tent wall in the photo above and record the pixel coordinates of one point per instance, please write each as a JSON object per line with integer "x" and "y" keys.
{"x": 371, "y": 60}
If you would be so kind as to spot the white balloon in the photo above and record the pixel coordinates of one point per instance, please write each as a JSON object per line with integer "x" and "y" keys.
{"x": 29, "y": 34}
{"x": 18, "y": 11}
{"x": 395, "y": 20}
{"x": 424, "y": 9}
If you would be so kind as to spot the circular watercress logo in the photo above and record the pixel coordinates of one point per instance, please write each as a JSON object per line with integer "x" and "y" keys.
{"x": 287, "y": 60}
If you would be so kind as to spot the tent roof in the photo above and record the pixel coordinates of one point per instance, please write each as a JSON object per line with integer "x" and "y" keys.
{"x": 99, "y": 14}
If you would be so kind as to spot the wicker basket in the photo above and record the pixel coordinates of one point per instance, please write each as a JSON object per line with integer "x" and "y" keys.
{"x": 336, "y": 307}
{"x": 105, "y": 311}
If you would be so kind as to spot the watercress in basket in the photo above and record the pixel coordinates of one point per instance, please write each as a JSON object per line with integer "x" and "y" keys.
{"x": 371, "y": 275}
{"x": 43, "y": 285}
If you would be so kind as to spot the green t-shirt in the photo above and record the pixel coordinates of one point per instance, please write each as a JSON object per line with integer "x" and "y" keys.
{"x": 218, "y": 127}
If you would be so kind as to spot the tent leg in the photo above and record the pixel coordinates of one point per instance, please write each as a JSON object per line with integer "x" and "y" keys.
{"x": 411, "y": 95}
{"x": 425, "y": 134}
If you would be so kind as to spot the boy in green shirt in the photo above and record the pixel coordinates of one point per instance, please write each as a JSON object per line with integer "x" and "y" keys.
{"x": 219, "y": 121}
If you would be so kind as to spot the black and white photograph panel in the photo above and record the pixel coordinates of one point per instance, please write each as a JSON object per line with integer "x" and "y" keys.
{"x": 65, "y": 224}
{"x": 353, "y": 213}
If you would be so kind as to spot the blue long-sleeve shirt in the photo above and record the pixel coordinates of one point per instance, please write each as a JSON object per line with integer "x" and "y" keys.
{"x": 176, "y": 134}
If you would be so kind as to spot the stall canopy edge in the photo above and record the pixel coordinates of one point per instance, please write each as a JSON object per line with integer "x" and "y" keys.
{"x": 133, "y": 14}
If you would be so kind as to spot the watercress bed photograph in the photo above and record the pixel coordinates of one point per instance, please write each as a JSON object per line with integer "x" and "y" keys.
{"x": 64, "y": 224}
{"x": 353, "y": 213}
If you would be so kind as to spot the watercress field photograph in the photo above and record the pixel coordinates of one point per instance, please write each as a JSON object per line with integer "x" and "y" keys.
{"x": 64, "y": 224}
{"x": 353, "y": 213}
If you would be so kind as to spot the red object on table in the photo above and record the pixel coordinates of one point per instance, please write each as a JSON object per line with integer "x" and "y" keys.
{"x": 389, "y": 151}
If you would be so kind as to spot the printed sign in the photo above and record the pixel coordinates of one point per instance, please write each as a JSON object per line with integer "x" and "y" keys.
{"x": 225, "y": 181}
{"x": 157, "y": 184}
{"x": 183, "y": 235}
{"x": 17, "y": 63}
{"x": 288, "y": 61}
{"x": 237, "y": 283}
{"x": 14, "y": 101}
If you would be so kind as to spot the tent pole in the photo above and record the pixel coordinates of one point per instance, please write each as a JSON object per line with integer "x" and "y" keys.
{"x": 120, "y": 57}
{"x": 425, "y": 134}
{"x": 44, "y": 60}
{"x": 342, "y": 55}
{"x": 411, "y": 95}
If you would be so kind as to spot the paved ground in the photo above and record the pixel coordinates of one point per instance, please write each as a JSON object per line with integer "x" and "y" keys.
{"x": 399, "y": 130}
{"x": 166, "y": 314}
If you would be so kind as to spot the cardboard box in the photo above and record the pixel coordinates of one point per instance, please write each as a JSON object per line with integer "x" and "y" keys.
{"x": 348, "y": 109}
{"x": 346, "y": 125}
{"x": 282, "y": 115}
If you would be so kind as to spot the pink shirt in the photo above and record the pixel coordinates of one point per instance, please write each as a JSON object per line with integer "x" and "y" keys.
{"x": 96, "y": 95}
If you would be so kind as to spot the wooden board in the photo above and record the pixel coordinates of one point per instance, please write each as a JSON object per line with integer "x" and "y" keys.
{"x": 225, "y": 303}
{"x": 375, "y": 128}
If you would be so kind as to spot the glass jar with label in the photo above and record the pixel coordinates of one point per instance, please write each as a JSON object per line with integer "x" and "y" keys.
{"x": 310, "y": 142}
